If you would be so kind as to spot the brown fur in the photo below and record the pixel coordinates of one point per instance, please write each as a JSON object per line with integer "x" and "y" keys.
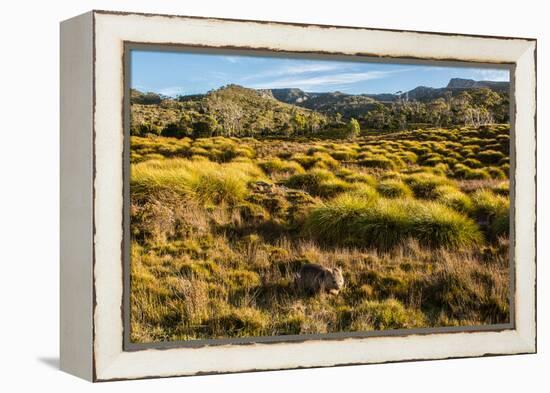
{"x": 314, "y": 278}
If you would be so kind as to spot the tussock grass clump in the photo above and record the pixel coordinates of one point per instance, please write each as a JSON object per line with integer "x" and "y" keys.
{"x": 304, "y": 160}
{"x": 377, "y": 161}
{"x": 204, "y": 181}
{"x": 278, "y": 166}
{"x": 325, "y": 160}
{"x": 502, "y": 188}
{"x": 432, "y": 160}
{"x": 386, "y": 314}
{"x": 490, "y": 156}
{"x": 496, "y": 173}
{"x": 238, "y": 322}
{"x": 343, "y": 154}
{"x": 356, "y": 177}
{"x": 221, "y": 149}
{"x": 493, "y": 211}
{"x": 407, "y": 156}
{"x": 393, "y": 188}
{"x": 464, "y": 289}
{"x": 424, "y": 185}
{"x": 472, "y": 163}
{"x": 349, "y": 220}
{"x": 319, "y": 160}
{"x": 462, "y": 171}
{"x": 221, "y": 226}
{"x": 454, "y": 198}
{"x": 365, "y": 192}
{"x": 319, "y": 182}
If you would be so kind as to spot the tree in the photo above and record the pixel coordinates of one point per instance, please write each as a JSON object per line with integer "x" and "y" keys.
{"x": 179, "y": 129}
{"x": 205, "y": 127}
{"x": 299, "y": 121}
{"x": 353, "y": 129}
{"x": 378, "y": 117}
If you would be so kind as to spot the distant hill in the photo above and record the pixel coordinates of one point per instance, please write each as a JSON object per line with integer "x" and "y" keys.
{"x": 455, "y": 86}
{"x": 355, "y": 105}
{"x": 258, "y": 110}
{"x": 290, "y": 96}
{"x": 234, "y": 110}
{"x": 348, "y": 105}
{"x": 459, "y": 83}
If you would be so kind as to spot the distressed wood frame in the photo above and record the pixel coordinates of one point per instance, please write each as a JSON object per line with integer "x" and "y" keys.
{"x": 92, "y": 199}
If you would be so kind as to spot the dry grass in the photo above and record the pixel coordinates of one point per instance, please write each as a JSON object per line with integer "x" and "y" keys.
{"x": 220, "y": 227}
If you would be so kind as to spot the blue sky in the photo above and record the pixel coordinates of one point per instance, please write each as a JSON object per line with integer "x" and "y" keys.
{"x": 180, "y": 73}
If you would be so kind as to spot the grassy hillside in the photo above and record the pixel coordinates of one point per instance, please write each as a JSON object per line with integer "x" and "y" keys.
{"x": 229, "y": 111}
{"x": 238, "y": 111}
{"x": 417, "y": 220}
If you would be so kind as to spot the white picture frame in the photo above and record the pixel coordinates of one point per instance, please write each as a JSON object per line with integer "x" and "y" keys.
{"x": 92, "y": 194}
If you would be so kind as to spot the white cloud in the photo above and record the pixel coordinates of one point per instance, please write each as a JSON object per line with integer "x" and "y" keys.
{"x": 297, "y": 69}
{"x": 485, "y": 74}
{"x": 232, "y": 59}
{"x": 172, "y": 91}
{"x": 492, "y": 75}
{"x": 324, "y": 80}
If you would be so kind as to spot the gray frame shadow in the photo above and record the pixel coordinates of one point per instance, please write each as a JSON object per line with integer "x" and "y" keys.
{"x": 128, "y": 345}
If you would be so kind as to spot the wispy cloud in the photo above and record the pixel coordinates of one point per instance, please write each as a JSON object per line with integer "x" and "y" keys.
{"x": 297, "y": 69}
{"x": 232, "y": 59}
{"x": 487, "y": 74}
{"x": 342, "y": 78}
{"x": 172, "y": 91}
{"x": 492, "y": 75}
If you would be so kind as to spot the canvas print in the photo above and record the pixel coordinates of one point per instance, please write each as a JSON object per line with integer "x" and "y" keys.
{"x": 275, "y": 196}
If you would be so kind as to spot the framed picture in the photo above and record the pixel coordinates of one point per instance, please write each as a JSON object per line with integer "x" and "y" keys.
{"x": 246, "y": 195}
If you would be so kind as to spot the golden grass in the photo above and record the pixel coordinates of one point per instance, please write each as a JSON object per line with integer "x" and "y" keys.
{"x": 417, "y": 220}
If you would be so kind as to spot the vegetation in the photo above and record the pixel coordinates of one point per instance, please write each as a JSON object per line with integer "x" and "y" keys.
{"x": 238, "y": 111}
{"x": 354, "y": 129}
{"x": 418, "y": 221}
{"x": 472, "y": 108}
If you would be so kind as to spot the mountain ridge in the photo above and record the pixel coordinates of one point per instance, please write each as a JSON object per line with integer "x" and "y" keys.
{"x": 238, "y": 110}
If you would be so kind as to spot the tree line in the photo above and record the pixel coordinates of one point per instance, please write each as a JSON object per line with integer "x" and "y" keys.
{"x": 241, "y": 112}
{"x": 471, "y": 108}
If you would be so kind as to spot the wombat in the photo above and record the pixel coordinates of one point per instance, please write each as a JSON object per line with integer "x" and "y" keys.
{"x": 315, "y": 278}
